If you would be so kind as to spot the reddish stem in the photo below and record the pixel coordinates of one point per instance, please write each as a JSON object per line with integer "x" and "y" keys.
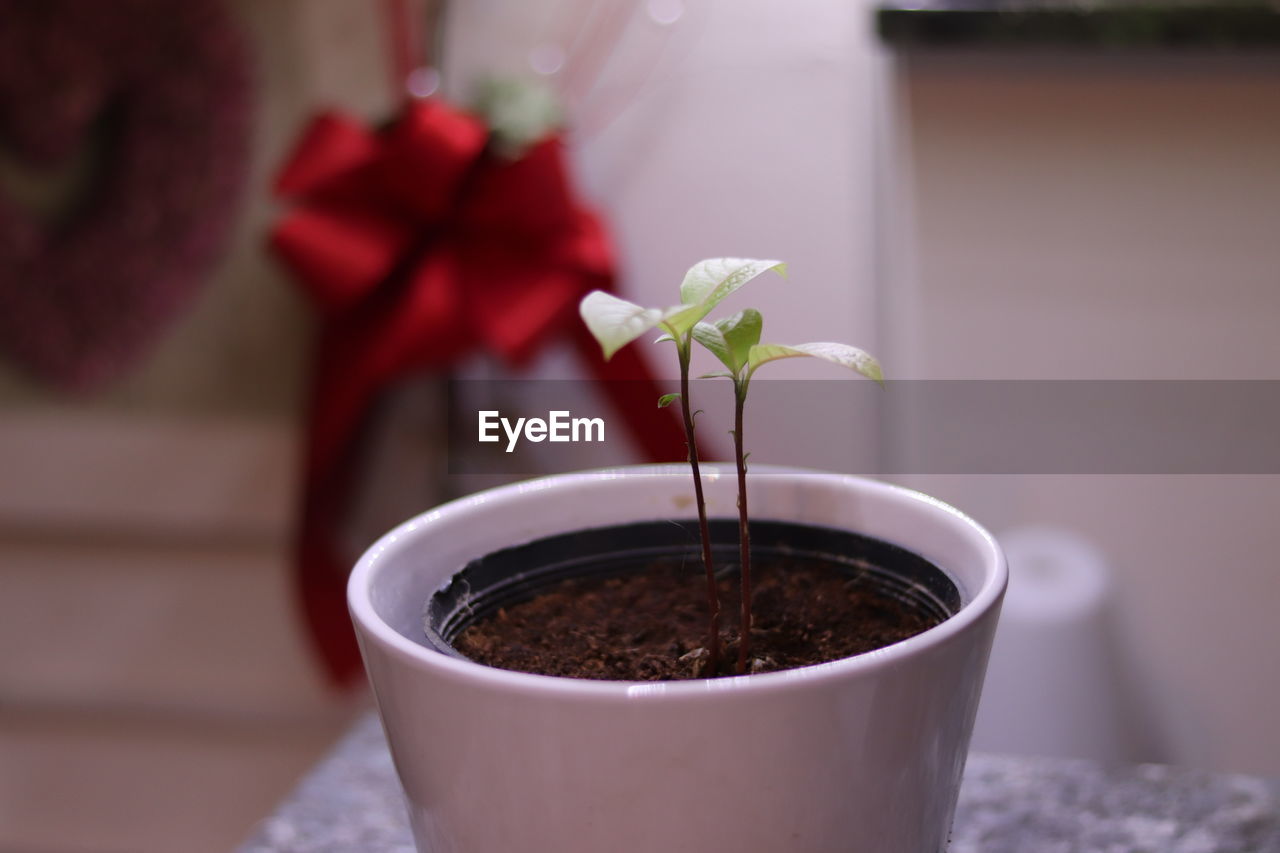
{"x": 713, "y": 597}
{"x": 744, "y": 531}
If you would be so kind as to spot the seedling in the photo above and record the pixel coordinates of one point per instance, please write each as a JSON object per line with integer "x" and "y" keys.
{"x": 735, "y": 341}
{"x": 616, "y": 322}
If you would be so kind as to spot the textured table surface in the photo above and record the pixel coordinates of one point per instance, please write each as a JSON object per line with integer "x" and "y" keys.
{"x": 352, "y": 802}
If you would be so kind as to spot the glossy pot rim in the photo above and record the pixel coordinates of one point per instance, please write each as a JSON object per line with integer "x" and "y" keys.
{"x": 372, "y": 628}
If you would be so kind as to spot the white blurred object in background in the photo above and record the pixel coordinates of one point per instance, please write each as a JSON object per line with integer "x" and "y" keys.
{"x": 1054, "y": 682}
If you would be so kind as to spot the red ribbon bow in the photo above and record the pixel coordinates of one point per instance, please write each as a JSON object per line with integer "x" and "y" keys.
{"x": 418, "y": 245}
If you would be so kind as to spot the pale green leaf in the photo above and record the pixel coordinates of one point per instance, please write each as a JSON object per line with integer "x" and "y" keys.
{"x": 708, "y": 282}
{"x": 667, "y": 399}
{"x": 712, "y": 339}
{"x": 730, "y": 339}
{"x": 615, "y": 322}
{"x": 741, "y": 332}
{"x": 841, "y": 354}
{"x": 683, "y": 318}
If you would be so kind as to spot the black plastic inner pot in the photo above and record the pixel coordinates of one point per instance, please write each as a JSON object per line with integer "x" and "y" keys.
{"x": 519, "y": 573}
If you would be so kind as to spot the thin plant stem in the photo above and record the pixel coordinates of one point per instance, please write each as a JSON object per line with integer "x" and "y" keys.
{"x": 713, "y": 596}
{"x": 744, "y": 530}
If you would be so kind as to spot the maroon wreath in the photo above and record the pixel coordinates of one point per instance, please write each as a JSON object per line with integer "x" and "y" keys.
{"x": 159, "y": 92}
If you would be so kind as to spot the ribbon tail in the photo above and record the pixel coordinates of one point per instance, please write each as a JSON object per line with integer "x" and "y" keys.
{"x": 321, "y": 583}
{"x": 358, "y": 359}
{"x": 339, "y": 413}
{"x": 633, "y": 392}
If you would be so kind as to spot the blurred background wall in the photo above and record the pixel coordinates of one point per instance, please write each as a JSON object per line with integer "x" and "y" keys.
{"x": 1083, "y": 217}
{"x": 960, "y": 219}
{"x": 156, "y": 690}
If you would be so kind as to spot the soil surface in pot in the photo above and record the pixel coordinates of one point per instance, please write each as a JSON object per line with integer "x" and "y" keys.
{"x": 651, "y": 625}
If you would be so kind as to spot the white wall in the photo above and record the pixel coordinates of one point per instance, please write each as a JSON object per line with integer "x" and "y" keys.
{"x": 741, "y": 129}
{"x": 1089, "y": 218}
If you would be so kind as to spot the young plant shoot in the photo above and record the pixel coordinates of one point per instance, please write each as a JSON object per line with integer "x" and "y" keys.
{"x": 735, "y": 341}
{"x": 616, "y": 322}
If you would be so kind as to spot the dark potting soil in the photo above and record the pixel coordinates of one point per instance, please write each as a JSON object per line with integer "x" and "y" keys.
{"x": 651, "y": 626}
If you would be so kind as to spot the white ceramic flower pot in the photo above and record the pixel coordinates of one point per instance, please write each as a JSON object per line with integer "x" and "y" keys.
{"x": 861, "y": 755}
